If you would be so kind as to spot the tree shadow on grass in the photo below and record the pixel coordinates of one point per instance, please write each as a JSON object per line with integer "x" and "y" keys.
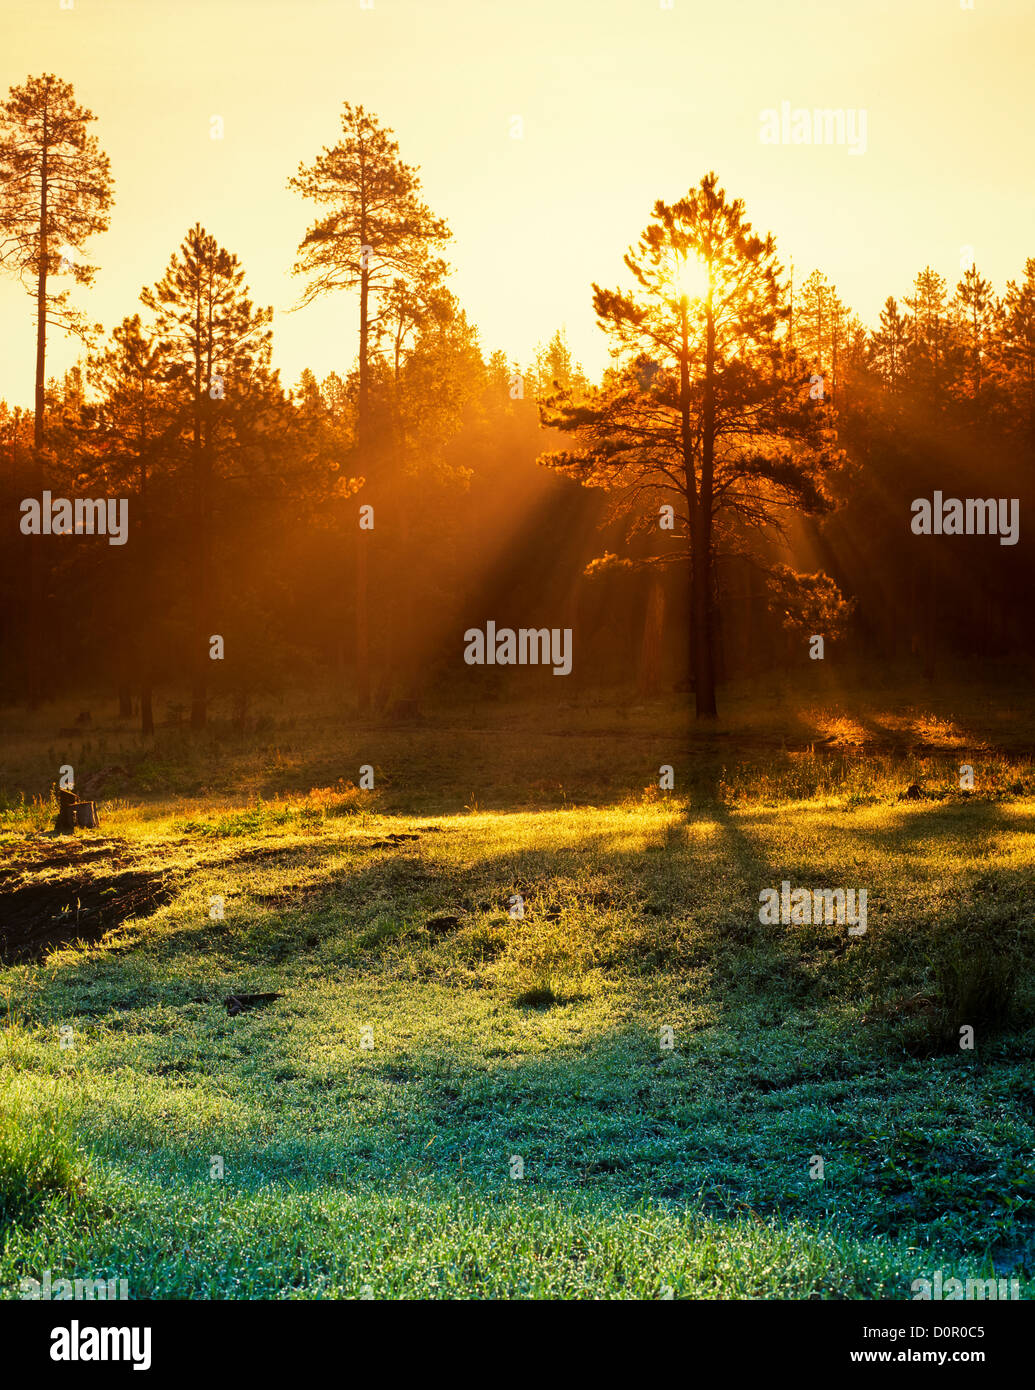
{"x": 689, "y": 882}
{"x": 725, "y": 1123}
{"x": 609, "y": 1124}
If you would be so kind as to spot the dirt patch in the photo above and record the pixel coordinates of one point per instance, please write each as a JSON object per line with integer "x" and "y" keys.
{"x": 50, "y": 856}
{"x": 37, "y": 918}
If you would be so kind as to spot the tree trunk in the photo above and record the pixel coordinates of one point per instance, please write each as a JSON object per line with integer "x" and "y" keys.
{"x": 930, "y": 618}
{"x": 362, "y": 623}
{"x": 704, "y": 673}
{"x": 35, "y": 616}
{"x": 198, "y": 687}
{"x": 146, "y": 580}
{"x": 408, "y": 648}
{"x": 125, "y": 699}
{"x": 147, "y": 718}
{"x": 650, "y": 648}
{"x": 34, "y": 619}
{"x": 339, "y": 660}
{"x": 199, "y": 581}
{"x": 362, "y": 537}
{"x": 701, "y": 627}
{"x": 699, "y": 514}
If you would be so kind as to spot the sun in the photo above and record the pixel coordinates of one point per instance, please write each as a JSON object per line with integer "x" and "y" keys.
{"x": 691, "y": 278}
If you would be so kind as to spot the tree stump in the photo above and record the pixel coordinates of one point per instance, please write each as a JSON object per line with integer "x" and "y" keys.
{"x": 66, "y": 812}
{"x": 72, "y": 813}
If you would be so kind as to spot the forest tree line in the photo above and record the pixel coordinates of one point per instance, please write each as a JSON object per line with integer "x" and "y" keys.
{"x": 353, "y": 527}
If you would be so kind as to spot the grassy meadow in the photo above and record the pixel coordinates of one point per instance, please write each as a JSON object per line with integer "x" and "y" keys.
{"x": 450, "y": 1100}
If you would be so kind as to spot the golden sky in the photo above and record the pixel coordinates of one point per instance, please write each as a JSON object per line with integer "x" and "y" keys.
{"x": 622, "y": 102}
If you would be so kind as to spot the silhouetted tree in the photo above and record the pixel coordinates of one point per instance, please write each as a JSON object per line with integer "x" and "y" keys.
{"x": 975, "y": 314}
{"x": 710, "y": 412}
{"x": 379, "y": 238}
{"x": 1016, "y": 349}
{"x": 217, "y": 346}
{"x": 55, "y": 192}
{"x": 555, "y": 368}
{"x": 929, "y": 318}
{"x": 889, "y": 345}
{"x": 135, "y": 426}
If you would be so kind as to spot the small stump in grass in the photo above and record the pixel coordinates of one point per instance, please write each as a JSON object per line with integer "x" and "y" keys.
{"x": 74, "y": 814}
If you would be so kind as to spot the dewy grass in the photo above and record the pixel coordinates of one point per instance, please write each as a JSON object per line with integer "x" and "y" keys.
{"x": 38, "y": 1163}
{"x": 667, "y": 1068}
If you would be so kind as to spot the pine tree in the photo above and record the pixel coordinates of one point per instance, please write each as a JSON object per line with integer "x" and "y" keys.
{"x": 827, "y": 334}
{"x": 135, "y": 426}
{"x": 55, "y": 193}
{"x": 709, "y": 412}
{"x": 379, "y": 238}
{"x": 556, "y": 369}
{"x": 975, "y": 313}
{"x": 889, "y": 345}
{"x": 1017, "y": 350}
{"x": 217, "y": 346}
{"x": 812, "y": 320}
{"x": 930, "y": 333}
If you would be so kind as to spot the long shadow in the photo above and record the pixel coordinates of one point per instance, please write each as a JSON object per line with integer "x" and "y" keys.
{"x": 724, "y": 1123}
{"x": 606, "y": 1126}
{"x": 355, "y": 900}
{"x": 916, "y": 824}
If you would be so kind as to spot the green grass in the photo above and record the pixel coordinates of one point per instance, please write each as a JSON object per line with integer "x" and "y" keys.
{"x": 385, "y": 1171}
{"x": 37, "y": 1163}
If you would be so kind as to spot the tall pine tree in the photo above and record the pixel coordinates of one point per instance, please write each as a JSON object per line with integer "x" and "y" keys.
{"x": 55, "y": 193}
{"x": 379, "y": 238}
{"x": 709, "y": 414}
